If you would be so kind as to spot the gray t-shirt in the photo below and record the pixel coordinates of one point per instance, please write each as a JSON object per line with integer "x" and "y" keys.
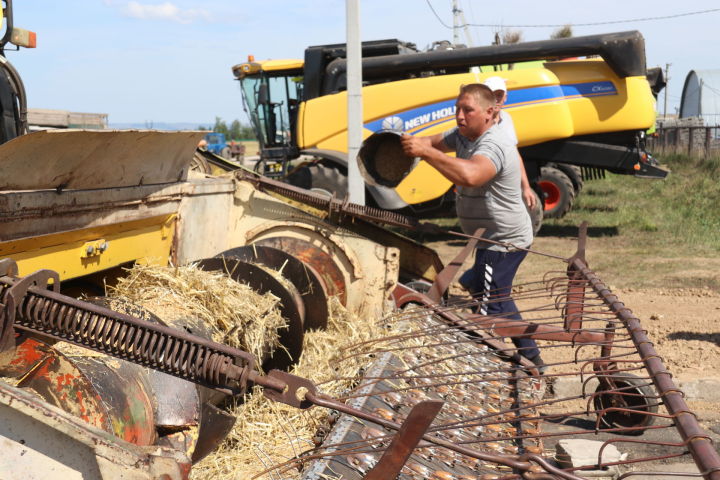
{"x": 496, "y": 206}
{"x": 507, "y": 127}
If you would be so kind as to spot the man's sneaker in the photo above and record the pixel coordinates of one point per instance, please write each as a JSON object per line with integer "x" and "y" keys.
{"x": 539, "y": 363}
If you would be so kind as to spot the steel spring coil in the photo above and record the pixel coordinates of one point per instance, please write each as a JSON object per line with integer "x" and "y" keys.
{"x": 156, "y": 346}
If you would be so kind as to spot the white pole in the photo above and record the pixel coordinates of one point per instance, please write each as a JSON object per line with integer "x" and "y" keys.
{"x": 356, "y": 185}
{"x": 456, "y": 23}
{"x": 667, "y": 82}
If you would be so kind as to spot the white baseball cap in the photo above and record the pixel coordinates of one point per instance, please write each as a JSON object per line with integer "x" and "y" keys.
{"x": 495, "y": 83}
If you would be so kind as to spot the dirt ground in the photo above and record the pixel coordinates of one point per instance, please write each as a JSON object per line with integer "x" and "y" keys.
{"x": 683, "y": 323}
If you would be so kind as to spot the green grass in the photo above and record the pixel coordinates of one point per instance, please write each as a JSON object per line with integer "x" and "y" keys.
{"x": 679, "y": 212}
{"x": 643, "y": 233}
{"x": 650, "y": 233}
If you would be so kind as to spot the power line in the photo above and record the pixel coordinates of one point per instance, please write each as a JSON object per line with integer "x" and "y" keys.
{"x": 714, "y": 90}
{"x": 632, "y": 20}
{"x": 437, "y": 16}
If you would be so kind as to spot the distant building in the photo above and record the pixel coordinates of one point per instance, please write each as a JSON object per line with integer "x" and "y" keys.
{"x": 42, "y": 119}
{"x": 701, "y": 96}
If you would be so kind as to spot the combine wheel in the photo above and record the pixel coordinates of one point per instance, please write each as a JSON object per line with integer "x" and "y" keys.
{"x": 328, "y": 179}
{"x": 632, "y": 393}
{"x": 573, "y": 172}
{"x": 536, "y": 214}
{"x": 558, "y": 192}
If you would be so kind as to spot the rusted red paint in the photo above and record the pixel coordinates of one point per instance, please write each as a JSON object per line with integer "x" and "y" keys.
{"x": 28, "y": 353}
{"x": 62, "y": 384}
{"x": 103, "y": 395}
{"x": 64, "y": 380}
{"x": 321, "y": 261}
{"x": 125, "y": 397}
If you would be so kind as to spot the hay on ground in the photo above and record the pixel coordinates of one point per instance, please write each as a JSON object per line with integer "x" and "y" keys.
{"x": 268, "y": 433}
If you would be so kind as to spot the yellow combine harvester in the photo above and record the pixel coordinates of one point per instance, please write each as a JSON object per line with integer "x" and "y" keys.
{"x": 583, "y": 112}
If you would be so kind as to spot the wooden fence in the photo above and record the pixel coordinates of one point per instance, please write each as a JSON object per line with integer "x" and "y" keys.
{"x": 696, "y": 140}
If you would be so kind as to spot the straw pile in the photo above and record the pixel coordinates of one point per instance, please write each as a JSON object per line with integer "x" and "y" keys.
{"x": 267, "y": 433}
{"x": 236, "y": 314}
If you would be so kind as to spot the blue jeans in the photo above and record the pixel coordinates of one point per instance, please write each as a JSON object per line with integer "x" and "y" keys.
{"x": 489, "y": 281}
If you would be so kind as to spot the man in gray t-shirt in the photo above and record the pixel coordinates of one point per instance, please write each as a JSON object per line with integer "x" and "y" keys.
{"x": 496, "y": 205}
{"x": 505, "y": 124}
{"x": 486, "y": 170}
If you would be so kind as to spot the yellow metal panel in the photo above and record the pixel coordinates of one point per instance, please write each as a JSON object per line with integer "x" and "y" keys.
{"x": 253, "y": 68}
{"x": 633, "y": 108}
{"x": 422, "y": 184}
{"x": 326, "y": 117}
{"x": 279, "y": 65}
{"x": 542, "y": 122}
{"x": 147, "y": 241}
{"x": 549, "y": 103}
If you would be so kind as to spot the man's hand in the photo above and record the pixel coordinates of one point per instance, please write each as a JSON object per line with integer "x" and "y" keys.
{"x": 415, "y": 146}
{"x": 529, "y": 197}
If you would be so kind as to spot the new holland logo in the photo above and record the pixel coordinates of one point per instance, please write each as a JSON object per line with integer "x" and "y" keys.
{"x": 427, "y": 117}
{"x": 393, "y": 123}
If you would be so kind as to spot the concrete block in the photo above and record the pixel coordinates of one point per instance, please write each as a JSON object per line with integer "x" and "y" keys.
{"x": 577, "y": 452}
{"x": 571, "y": 387}
{"x": 701, "y": 389}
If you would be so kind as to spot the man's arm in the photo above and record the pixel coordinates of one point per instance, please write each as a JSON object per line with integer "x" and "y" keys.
{"x": 434, "y": 141}
{"x": 527, "y": 192}
{"x": 508, "y": 127}
{"x": 472, "y": 172}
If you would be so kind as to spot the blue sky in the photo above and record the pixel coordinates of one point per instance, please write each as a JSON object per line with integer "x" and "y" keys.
{"x": 170, "y": 61}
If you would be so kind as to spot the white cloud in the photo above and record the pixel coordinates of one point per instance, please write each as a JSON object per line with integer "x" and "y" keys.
{"x": 164, "y": 11}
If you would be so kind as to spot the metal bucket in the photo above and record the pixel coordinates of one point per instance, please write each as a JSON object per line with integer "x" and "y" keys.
{"x": 382, "y": 161}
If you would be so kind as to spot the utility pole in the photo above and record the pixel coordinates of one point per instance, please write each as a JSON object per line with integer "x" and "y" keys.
{"x": 667, "y": 82}
{"x": 356, "y": 185}
{"x": 456, "y": 22}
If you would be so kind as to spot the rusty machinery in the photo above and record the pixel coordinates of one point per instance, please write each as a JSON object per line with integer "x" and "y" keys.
{"x": 445, "y": 398}
{"x": 623, "y": 384}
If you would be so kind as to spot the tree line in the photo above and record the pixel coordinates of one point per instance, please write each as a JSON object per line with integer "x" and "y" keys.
{"x": 236, "y": 130}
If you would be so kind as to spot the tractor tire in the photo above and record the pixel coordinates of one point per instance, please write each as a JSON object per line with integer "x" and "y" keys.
{"x": 536, "y": 214}
{"x": 328, "y": 179}
{"x": 225, "y": 153}
{"x": 573, "y": 172}
{"x": 634, "y": 394}
{"x": 558, "y": 192}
